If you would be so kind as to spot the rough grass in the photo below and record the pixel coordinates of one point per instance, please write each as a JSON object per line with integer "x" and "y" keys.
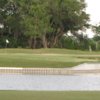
{"x": 54, "y": 58}
{"x": 47, "y": 51}
{"x": 33, "y": 95}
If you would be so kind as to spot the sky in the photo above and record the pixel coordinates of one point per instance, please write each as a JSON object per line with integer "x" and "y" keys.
{"x": 93, "y": 7}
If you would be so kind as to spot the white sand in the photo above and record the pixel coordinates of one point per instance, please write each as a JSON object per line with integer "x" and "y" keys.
{"x": 87, "y": 66}
{"x": 49, "y": 83}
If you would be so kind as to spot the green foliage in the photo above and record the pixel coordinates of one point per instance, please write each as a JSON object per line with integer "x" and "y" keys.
{"x": 82, "y": 43}
{"x": 96, "y": 29}
{"x": 36, "y": 20}
{"x": 42, "y": 21}
{"x": 69, "y": 42}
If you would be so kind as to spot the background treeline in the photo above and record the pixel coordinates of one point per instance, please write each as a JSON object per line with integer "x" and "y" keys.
{"x": 44, "y": 24}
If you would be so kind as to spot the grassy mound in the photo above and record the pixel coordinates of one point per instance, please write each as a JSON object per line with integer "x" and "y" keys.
{"x": 53, "y": 58}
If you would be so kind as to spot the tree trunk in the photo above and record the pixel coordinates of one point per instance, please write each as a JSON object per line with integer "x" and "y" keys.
{"x": 56, "y": 38}
{"x": 44, "y": 41}
{"x": 34, "y": 42}
{"x": 90, "y": 48}
{"x": 96, "y": 45}
{"x": 30, "y": 42}
{"x": 55, "y": 41}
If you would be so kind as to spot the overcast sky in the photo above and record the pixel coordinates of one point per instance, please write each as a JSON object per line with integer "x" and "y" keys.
{"x": 93, "y": 7}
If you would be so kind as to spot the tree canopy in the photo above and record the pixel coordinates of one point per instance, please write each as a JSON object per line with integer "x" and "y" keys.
{"x": 41, "y": 23}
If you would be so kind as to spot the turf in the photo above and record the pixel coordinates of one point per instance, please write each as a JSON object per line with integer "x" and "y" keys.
{"x": 33, "y": 95}
{"x": 53, "y": 58}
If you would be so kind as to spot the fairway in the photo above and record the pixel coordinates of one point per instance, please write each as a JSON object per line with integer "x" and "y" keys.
{"x": 45, "y": 58}
{"x": 45, "y": 95}
{"x": 49, "y": 50}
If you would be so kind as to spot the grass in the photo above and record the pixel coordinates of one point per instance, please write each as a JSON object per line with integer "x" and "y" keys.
{"x": 33, "y": 95}
{"x": 53, "y": 58}
{"x": 46, "y": 58}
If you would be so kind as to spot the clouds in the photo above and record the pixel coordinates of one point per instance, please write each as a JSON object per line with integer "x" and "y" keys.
{"x": 93, "y": 7}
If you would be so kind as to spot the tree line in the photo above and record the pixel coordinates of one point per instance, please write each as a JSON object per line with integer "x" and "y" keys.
{"x": 43, "y": 23}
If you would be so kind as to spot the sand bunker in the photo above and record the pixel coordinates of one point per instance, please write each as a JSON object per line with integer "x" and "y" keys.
{"x": 87, "y": 66}
{"x": 49, "y": 83}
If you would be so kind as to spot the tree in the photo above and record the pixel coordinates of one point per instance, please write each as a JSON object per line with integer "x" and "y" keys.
{"x": 96, "y": 38}
{"x": 43, "y": 20}
{"x": 36, "y": 21}
{"x": 67, "y": 15}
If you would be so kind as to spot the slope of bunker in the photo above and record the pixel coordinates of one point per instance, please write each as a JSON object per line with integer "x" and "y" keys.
{"x": 87, "y": 66}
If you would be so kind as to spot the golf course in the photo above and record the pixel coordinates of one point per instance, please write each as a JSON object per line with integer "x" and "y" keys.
{"x": 34, "y": 95}
{"x": 49, "y": 50}
{"x": 47, "y": 58}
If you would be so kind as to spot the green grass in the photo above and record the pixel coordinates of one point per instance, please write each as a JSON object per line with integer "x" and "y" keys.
{"x": 54, "y": 58}
{"x": 31, "y": 95}
{"x": 50, "y": 51}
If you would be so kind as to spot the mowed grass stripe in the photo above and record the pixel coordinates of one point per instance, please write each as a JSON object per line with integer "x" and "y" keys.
{"x": 31, "y": 60}
{"x": 48, "y": 51}
{"x": 44, "y": 58}
{"x": 45, "y": 95}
